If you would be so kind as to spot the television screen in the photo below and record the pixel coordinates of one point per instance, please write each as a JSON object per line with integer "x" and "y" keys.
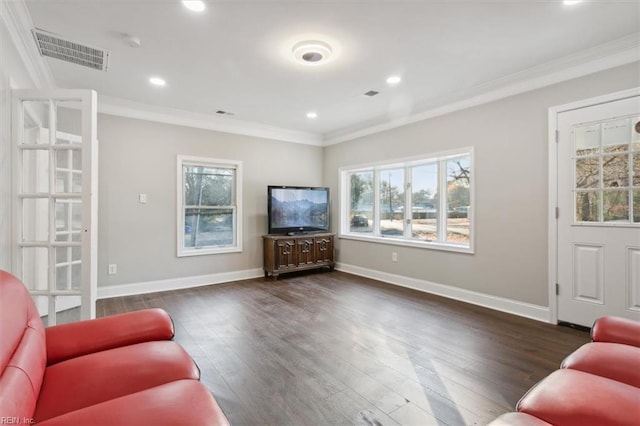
{"x": 298, "y": 209}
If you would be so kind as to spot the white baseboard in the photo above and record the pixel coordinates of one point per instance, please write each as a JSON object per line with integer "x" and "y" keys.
{"x": 527, "y": 310}
{"x": 105, "y": 292}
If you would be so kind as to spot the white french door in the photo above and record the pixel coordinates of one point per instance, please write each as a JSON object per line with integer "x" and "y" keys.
{"x": 55, "y": 198}
{"x": 598, "y": 226}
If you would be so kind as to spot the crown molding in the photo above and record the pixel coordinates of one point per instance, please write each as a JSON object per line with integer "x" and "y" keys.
{"x": 619, "y": 52}
{"x": 17, "y": 20}
{"x": 130, "y": 109}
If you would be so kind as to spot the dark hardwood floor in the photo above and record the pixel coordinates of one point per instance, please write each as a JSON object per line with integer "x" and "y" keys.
{"x": 333, "y": 348}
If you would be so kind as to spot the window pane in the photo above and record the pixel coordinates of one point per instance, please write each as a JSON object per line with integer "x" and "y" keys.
{"x": 361, "y": 203}
{"x": 636, "y": 206}
{"x": 458, "y": 200}
{"x": 587, "y": 139}
{"x": 636, "y": 169}
{"x": 616, "y": 206}
{"x": 424, "y": 199}
{"x": 206, "y": 186}
{"x": 615, "y": 135}
{"x": 208, "y": 227}
{"x": 615, "y": 171}
{"x": 392, "y": 202}
{"x": 587, "y": 173}
{"x": 587, "y": 207}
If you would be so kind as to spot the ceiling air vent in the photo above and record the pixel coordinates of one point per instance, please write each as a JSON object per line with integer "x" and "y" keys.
{"x": 54, "y": 46}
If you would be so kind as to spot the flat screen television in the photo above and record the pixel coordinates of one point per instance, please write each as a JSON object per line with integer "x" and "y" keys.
{"x": 298, "y": 209}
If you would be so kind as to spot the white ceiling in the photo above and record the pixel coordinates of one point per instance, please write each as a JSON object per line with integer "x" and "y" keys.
{"x": 235, "y": 56}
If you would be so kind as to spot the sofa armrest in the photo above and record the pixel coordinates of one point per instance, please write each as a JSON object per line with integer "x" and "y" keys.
{"x": 616, "y": 330}
{"x": 71, "y": 340}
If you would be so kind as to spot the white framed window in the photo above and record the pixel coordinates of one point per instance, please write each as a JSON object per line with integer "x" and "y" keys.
{"x": 421, "y": 202}
{"x": 209, "y": 206}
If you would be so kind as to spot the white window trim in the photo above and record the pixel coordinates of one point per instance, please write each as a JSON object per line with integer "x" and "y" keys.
{"x": 237, "y": 237}
{"x": 405, "y": 162}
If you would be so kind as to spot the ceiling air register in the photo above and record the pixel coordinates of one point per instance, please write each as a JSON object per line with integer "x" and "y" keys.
{"x": 54, "y": 46}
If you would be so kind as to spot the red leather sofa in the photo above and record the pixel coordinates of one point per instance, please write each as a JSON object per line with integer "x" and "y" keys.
{"x": 118, "y": 370}
{"x": 598, "y": 384}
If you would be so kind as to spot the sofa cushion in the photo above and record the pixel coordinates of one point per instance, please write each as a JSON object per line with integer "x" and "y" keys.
{"x": 94, "y": 378}
{"x": 22, "y": 349}
{"x": 612, "y": 360}
{"x": 616, "y": 330}
{"x": 570, "y": 397}
{"x": 183, "y": 402}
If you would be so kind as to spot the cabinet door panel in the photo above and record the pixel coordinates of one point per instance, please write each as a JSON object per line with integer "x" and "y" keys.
{"x": 324, "y": 249}
{"x": 285, "y": 254}
{"x": 306, "y": 251}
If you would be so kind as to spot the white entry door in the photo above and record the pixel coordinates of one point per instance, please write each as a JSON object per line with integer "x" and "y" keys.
{"x": 55, "y": 196}
{"x": 598, "y": 159}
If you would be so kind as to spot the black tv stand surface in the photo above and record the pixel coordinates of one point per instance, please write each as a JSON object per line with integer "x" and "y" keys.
{"x": 288, "y": 253}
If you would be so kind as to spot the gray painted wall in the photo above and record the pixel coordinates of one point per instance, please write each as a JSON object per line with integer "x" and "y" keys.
{"x": 511, "y": 178}
{"x": 139, "y": 156}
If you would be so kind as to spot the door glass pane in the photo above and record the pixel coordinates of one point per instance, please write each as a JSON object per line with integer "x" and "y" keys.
{"x": 68, "y": 172}
{"x": 68, "y": 122}
{"x": 35, "y": 219}
{"x": 615, "y": 171}
{"x": 35, "y": 271}
{"x": 392, "y": 202}
{"x": 636, "y": 169}
{"x": 587, "y": 172}
{"x": 458, "y": 200}
{"x": 615, "y": 135}
{"x": 35, "y": 171}
{"x": 361, "y": 203}
{"x": 42, "y": 305}
{"x": 587, "y": 139}
{"x": 587, "y": 207}
{"x": 68, "y": 220}
{"x": 36, "y": 122}
{"x": 636, "y": 206}
{"x": 67, "y": 309}
{"x": 616, "y": 206}
{"x": 424, "y": 199}
{"x": 68, "y": 268}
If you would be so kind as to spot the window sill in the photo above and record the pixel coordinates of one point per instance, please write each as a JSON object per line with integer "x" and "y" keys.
{"x": 407, "y": 243}
{"x": 205, "y": 251}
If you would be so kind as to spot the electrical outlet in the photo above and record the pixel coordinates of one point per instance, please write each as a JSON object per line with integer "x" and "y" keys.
{"x": 394, "y": 256}
{"x": 113, "y": 269}
{"x": 142, "y": 198}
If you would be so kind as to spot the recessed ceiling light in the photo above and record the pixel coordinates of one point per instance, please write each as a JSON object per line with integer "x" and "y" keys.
{"x": 571, "y": 2}
{"x": 393, "y": 80}
{"x": 194, "y": 5}
{"x": 312, "y": 52}
{"x": 157, "y": 81}
{"x": 312, "y": 114}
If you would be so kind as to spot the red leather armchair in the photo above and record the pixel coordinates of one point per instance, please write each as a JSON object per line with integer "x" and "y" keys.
{"x": 598, "y": 384}
{"x": 117, "y": 370}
